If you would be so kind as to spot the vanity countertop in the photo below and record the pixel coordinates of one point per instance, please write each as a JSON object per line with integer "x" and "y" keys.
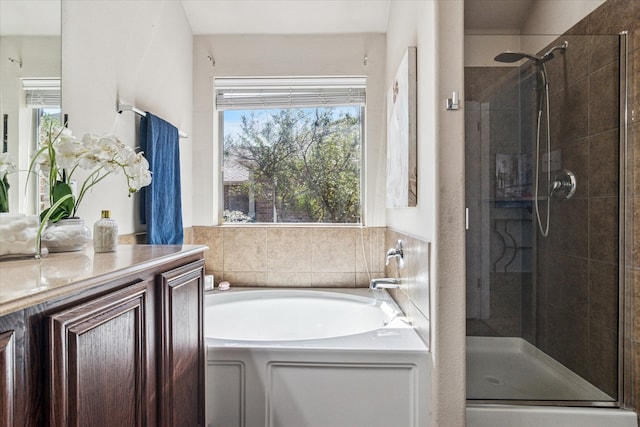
{"x": 27, "y": 282}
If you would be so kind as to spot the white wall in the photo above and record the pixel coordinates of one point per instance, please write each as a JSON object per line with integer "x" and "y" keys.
{"x": 291, "y": 55}
{"x": 436, "y": 28}
{"x": 139, "y": 52}
{"x": 480, "y": 49}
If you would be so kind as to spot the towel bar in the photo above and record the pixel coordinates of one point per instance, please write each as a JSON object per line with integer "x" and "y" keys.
{"x": 125, "y": 107}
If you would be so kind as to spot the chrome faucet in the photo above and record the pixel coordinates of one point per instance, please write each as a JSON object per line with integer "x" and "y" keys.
{"x": 384, "y": 283}
{"x": 396, "y": 253}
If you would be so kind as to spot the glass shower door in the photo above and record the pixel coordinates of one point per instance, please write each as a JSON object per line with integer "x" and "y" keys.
{"x": 542, "y": 268}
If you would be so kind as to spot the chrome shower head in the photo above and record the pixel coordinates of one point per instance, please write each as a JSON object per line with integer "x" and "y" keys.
{"x": 510, "y": 57}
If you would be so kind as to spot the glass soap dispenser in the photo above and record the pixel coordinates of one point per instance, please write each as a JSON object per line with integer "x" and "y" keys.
{"x": 105, "y": 234}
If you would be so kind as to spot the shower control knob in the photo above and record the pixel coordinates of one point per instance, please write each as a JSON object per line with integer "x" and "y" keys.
{"x": 564, "y": 185}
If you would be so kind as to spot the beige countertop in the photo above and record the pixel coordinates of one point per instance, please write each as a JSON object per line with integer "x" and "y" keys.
{"x": 26, "y": 282}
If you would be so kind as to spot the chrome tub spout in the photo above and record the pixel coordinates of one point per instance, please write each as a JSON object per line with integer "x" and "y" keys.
{"x": 384, "y": 283}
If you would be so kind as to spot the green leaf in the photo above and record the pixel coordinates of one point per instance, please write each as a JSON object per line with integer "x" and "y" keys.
{"x": 45, "y": 216}
{"x": 4, "y": 195}
{"x": 63, "y": 203}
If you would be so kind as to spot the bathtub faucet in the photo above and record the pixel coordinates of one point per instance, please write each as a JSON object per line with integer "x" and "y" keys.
{"x": 384, "y": 283}
{"x": 396, "y": 253}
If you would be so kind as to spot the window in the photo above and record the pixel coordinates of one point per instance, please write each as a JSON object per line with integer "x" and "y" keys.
{"x": 43, "y": 119}
{"x": 292, "y": 149}
{"x": 42, "y": 98}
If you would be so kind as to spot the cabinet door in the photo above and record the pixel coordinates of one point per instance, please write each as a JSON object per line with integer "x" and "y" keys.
{"x": 7, "y": 377}
{"x": 98, "y": 361}
{"x": 182, "y": 346}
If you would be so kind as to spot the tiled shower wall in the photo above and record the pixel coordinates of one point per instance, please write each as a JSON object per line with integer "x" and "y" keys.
{"x": 619, "y": 15}
{"x": 577, "y": 266}
{"x": 583, "y": 255}
{"x": 290, "y": 256}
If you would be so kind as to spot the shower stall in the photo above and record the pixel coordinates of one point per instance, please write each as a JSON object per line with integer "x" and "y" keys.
{"x": 544, "y": 179}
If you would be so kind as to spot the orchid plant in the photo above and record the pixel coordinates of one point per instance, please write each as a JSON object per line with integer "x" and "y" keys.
{"x": 60, "y": 155}
{"x": 7, "y": 166}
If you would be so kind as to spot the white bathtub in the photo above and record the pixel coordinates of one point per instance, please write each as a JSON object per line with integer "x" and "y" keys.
{"x": 283, "y": 357}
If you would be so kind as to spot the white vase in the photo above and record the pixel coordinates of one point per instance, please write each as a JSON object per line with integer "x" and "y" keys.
{"x": 66, "y": 235}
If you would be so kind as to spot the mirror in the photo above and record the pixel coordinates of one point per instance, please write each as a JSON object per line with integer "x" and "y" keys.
{"x": 30, "y": 95}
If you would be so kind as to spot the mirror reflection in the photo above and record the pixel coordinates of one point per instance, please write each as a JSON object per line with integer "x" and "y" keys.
{"x": 30, "y": 95}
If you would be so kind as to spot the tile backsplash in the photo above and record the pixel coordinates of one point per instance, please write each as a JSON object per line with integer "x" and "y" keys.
{"x": 413, "y": 296}
{"x": 303, "y": 256}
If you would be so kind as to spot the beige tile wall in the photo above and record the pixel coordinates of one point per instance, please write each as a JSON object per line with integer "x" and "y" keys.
{"x": 414, "y": 294}
{"x": 304, "y": 256}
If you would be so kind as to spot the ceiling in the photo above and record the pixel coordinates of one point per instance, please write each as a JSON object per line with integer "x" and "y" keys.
{"x": 274, "y": 16}
{"x": 287, "y": 16}
{"x": 332, "y": 16}
{"x": 34, "y": 17}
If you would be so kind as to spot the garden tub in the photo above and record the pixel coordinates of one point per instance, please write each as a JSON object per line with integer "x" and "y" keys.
{"x": 293, "y": 357}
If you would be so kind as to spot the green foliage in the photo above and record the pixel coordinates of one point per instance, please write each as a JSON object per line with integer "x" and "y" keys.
{"x": 61, "y": 205}
{"x": 49, "y": 121}
{"x": 4, "y": 194}
{"x": 306, "y": 162}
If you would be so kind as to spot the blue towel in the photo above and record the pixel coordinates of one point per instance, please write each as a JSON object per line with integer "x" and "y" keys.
{"x": 160, "y": 202}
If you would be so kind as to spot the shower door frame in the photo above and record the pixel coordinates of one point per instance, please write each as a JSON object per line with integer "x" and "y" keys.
{"x": 625, "y": 284}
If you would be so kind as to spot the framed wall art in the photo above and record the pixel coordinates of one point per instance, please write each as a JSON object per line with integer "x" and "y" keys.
{"x": 402, "y": 170}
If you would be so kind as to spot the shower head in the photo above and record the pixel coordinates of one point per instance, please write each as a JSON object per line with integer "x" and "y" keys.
{"x": 510, "y": 57}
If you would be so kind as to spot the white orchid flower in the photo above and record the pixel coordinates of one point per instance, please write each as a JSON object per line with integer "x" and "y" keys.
{"x": 101, "y": 155}
{"x": 7, "y": 165}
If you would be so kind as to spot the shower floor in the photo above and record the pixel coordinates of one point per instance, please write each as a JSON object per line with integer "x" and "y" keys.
{"x": 513, "y": 369}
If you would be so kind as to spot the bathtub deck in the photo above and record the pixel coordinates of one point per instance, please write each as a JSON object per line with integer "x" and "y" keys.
{"x": 513, "y": 369}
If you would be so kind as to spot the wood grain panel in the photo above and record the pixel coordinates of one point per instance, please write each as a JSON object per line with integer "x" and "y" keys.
{"x": 98, "y": 361}
{"x": 182, "y": 346}
{"x": 7, "y": 377}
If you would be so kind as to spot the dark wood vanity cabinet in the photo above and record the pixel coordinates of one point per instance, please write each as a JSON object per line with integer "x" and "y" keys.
{"x": 182, "y": 348}
{"x": 11, "y": 374}
{"x": 99, "y": 360}
{"x": 128, "y": 352}
{"x": 7, "y": 377}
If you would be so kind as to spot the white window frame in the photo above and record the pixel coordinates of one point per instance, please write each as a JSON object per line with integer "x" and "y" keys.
{"x": 332, "y": 85}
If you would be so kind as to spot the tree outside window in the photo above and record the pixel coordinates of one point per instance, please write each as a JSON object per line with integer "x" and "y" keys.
{"x": 292, "y": 165}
